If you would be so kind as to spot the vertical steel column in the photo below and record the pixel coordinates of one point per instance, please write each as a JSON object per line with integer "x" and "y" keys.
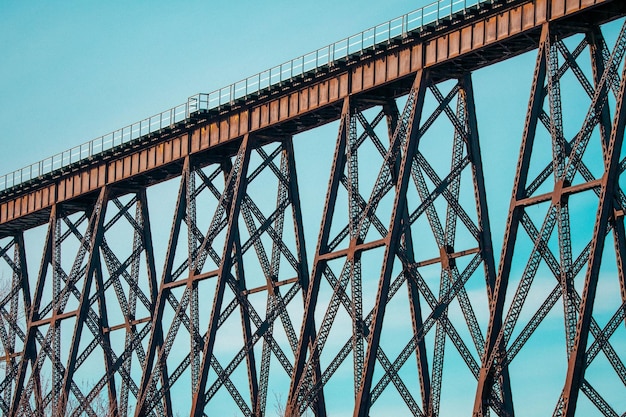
{"x": 571, "y": 175}
{"x": 600, "y": 55}
{"x": 111, "y": 407}
{"x": 411, "y": 140}
{"x": 241, "y": 289}
{"x": 493, "y": 348}
{"x": 485, "y": 242}
{"x": 30, "y": 351}
{"x": 133, "y": 338}
{"x": 619, "y": 236}
{"x": 251, "y": 362}
{"x": 307, "y": 340}
{"x": 155, "y": 345}
{"x": 236, "y": 196}
{"x": 421, "y": 356}
{"x": 303, "y": 271}
{"x": 94, "y": 235}
{"x": 14, "y": 309}
{"x": 195, "y": 345}
{"x": 609, "y": 183}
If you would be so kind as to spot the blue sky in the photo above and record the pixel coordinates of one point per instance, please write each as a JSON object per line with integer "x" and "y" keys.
{"x": 71, "y": 72}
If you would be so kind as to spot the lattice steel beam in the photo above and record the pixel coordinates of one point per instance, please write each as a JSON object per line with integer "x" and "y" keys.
{"x": 568, "y": 167}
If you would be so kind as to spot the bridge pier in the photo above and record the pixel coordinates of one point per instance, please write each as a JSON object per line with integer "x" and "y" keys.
{"x": 569, "y": 164}
{"x": 404, "y": 260}
{"x": 369, "y": 203}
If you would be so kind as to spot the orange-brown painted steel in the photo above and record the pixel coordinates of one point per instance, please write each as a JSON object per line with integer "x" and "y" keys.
{"x": 246, "y": 245}
{"x": 477, "y": 40}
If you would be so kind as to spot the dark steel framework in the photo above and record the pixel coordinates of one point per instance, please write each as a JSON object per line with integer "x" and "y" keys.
{"x": 240, "y": 315}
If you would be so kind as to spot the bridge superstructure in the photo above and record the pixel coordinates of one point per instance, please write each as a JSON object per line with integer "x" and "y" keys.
{"x": 402, "y": 238}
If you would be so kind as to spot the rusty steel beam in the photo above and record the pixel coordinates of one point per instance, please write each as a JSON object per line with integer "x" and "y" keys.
{"x": 90, "y": 309}
{"x": 400, "y": 232}
{"x": 224, "y": 254}
{"x": 576, "y": 366}
{"x": 553, "y": 61}
{"x": 408, "y": 140}
{"x": 504, "y": 29}
{"x": 364, "y": 217}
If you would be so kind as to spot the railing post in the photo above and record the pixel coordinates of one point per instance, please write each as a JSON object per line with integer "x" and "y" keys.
{"x": 438, "y": 10}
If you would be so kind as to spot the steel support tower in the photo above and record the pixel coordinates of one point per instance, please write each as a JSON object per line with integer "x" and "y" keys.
{"x": 404, "y": 303}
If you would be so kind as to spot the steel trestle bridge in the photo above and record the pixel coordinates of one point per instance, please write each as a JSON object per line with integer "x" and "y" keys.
{"x": 401, "y": 303}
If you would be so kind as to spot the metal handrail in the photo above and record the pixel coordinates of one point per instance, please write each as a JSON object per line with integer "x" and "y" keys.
{"x": 289, "y": 71}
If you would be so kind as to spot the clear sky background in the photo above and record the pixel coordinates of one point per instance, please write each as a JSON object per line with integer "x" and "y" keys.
{"x": 72, "y": 71}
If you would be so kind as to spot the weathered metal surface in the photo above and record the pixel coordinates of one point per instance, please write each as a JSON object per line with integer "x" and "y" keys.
{"x": 398, "y": 233}
{"x": 476, "y": 40}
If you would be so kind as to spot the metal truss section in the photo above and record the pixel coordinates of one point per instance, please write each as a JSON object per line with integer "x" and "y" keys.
{"x": 572, "y": 190}
{"x": 75, "y": 299}
{"x": 243, "y": 270}
{"x": 418, "y": 222}
{"x": 399, "y": 307}
{"x": 14, "y": 307}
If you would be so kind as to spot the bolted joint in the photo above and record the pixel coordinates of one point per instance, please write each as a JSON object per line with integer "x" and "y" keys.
{"x": 444, "y": 255}
{"x": 559, "y": 197}
{"x": 363, "y": 328}
{"x": 354, "y": 253}
{"x": 615, "y": 215}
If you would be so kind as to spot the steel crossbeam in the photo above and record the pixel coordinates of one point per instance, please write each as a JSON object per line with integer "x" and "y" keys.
{"x": 567, "y": 161}
{"x": 400, "y": 306}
